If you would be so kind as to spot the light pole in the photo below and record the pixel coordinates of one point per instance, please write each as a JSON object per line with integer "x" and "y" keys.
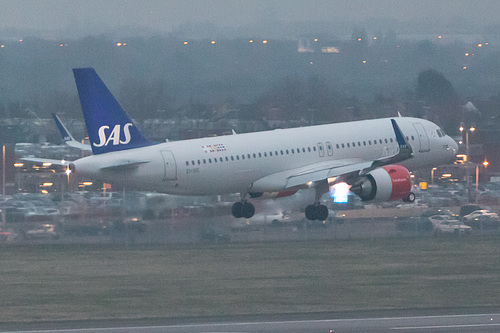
{"x": 467, "y": 131}
{"x": 485, "y": 164}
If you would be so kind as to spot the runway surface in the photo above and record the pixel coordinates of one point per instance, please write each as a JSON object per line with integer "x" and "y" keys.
{"x": 417, "y": 324}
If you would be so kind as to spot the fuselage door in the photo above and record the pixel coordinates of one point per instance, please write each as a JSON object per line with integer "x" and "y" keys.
{"x": 423, "y": 139}
{"x": 169, "y": 164}
{"x": 321, "y": 150}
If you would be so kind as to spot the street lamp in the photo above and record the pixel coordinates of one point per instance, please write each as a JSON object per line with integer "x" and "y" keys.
{"x": 485, "y": 164}
{"x": 467, "y": 131}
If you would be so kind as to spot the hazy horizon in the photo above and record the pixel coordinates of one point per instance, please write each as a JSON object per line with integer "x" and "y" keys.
{"x": 77, "y": 18}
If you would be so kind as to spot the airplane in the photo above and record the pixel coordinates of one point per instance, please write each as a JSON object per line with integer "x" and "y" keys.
{"x": 372, "y": 156}
{"x": 67, "y": 137}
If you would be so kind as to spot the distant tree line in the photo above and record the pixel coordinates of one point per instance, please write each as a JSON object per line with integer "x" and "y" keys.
{"x": 165, "y": 77}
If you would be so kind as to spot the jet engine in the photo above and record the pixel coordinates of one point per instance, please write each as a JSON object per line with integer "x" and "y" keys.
{"x": 387, "y": 183}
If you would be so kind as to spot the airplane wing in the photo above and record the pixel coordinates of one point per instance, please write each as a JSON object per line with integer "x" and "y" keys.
{"x": 36, "y": 160}
{"x": 344, "y": 169}
{"x": 121, "y": 165}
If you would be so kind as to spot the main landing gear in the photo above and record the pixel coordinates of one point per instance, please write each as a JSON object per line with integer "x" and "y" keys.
{"x": 316, "y": 212}
{"x": 243, "y": 209}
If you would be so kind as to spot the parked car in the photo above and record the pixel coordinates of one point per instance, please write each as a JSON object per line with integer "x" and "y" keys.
{"x": 482, "y": 219}
{"x": 467, "y": 209}
{"x": 444, "y": 224}
{"x": 437, "y": 211}
{"x": 478, "y": 213}
{"x": 44, "y": 231}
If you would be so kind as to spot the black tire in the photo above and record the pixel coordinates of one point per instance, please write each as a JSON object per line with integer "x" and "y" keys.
{"x": 321, "y": 212}
{"x": 237, "y": 210}
{"x": 248, "y": 210}
{"x": 310, "y": 212}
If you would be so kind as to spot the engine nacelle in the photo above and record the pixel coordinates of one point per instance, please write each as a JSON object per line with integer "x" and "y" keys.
{"x": 387, "y": 183}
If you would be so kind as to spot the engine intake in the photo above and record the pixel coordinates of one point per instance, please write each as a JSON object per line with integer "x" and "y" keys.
{"x": 387, "y": 183}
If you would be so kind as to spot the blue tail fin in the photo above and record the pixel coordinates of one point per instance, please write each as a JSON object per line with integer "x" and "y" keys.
{"x": 65, "y": 134}
{"x": 109, "y": 127}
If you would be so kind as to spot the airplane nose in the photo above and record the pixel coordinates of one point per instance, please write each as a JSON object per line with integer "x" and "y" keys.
{"x": 452, "y": 148}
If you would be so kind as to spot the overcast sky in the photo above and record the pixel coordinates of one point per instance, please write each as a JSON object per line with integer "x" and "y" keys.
{"x": 162, "y": 15}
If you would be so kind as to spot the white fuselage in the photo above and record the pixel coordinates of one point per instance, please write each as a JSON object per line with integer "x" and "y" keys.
{"x": 231, "y": 164}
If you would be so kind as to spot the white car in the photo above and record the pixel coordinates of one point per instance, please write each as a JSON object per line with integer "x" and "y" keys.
{"x": 475, "y": 215}
{"x": 445, "y": 224}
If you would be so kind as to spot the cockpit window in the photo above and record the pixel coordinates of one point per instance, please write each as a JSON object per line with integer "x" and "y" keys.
{"x": 440, "y": 133}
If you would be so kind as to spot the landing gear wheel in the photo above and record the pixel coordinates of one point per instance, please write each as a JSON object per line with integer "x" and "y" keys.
{"x": 237, "y": 210}
{"x": 311, "y": 212}
{"x": 321, "y": 212}
{"x": 243, "y": 209}
{"x": 316, "y": 212}
{"x": 410, "y": 197}
{"x": 248, "y": 210}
